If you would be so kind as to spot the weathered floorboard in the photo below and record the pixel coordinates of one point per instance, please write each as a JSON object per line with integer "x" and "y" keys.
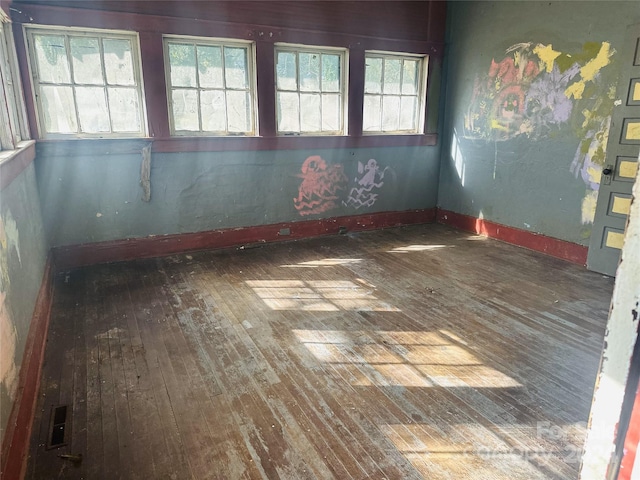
{"x": 417, "y": 352}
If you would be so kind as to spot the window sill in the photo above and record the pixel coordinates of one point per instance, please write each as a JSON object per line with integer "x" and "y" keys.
{"x": 181, "y": 144}
{"x": 13, "y": 162}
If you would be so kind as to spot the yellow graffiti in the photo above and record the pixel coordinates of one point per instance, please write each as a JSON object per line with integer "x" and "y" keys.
{"x": 547, "y": 55}
{"x": 589, "y": 71}
{"x": 589, "y": 206}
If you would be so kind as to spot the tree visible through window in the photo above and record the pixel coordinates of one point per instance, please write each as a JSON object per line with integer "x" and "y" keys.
{"x": 210, "y": 86}
{"x": 310, "y": 88}
{"x": 87, "y": 82}
{"x": 394, "y": 92}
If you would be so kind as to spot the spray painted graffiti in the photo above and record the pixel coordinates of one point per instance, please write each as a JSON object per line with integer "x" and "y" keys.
{"x": 9, "y": 240}
{"x": 535, "y": 91}
{"x": 321, "y": 186}
{"x": 365, "y": 193}
{"x": 324, "y": 186}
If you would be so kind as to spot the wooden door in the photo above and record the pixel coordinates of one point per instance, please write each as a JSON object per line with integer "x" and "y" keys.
{"x": 619, "y": 172}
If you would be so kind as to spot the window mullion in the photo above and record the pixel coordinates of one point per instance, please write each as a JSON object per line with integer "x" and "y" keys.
{"x": 382, "y": 94}
{"x": 104, "y": 81}
{"x": 72, "y": 83}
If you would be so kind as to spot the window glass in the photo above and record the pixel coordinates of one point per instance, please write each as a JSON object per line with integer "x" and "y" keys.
{"x": 394, "y": 93}
{"x": 310, "y": 91}
{"x": 211, "y": 86}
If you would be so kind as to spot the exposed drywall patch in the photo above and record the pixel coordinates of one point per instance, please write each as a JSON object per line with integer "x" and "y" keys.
{"x": 538, "y": 92}
{"x": 145, "y": 173}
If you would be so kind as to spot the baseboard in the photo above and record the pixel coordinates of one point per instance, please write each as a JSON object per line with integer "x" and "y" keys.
{"x": 15, "y": 444}
{"x": 562, "y": 249}
{"x": 67, "y": 257}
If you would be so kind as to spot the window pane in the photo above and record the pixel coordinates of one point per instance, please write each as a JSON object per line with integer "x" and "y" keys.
{"x": 52, "y": 58}
{"x": 391, "y": 76}
{"x": 289, "y": 112}
{"x": 390, "y": 113}
{"x": 238, "y": 111}
{"x": 182, "y": 61}
{"x": 410, "y": 77}
{"x": 85, "y": 55}
{"x": 372, "y": 113}
{"x": 214, "y": 118}
{"x": 373, "y": 75}
{"x": 330, "y": 73}
{"x": 331, "y": 113}
{"x": 185, "y": 109}
{"x": 286, "y": 71}
{"x": 408, "y": 113}
{"x": 235, "y": 67}
{"x": 124, "y": 106}
{"x": 58, "y": 109}
{"x": 92, "y": 109}
{"x": 310, "y": 113}
{"x": 210, "y": 67}
{"x": 309, "y": 72}
{"x": 118, "y": 62}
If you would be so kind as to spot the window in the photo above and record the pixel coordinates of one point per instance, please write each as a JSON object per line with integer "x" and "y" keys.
{"x": 310, "y": 89}
{"x": 13, "y": 125}
{"x": 394, "y": 93}
{"x": 86, "y": 82}
{"x": 211, "y": 86}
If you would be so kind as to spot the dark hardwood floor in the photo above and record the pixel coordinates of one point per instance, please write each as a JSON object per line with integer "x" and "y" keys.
{"x": 416, "y": 352}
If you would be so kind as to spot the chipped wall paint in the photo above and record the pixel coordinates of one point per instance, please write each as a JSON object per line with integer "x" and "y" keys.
{"x": 536, "y": 91}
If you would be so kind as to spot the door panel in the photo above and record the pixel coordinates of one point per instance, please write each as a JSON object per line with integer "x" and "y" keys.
{"x": 621, "y": 164}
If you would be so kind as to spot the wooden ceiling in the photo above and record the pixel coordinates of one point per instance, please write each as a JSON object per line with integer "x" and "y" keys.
{"x": 411, "y": 20}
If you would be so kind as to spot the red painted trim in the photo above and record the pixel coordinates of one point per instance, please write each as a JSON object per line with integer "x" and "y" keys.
{"x": 562, "y": 249}
{"x": 15, "y": 444}
{"x": 14, "y": 165}
{"x": 104, "y": 252}
{"x": 631, "y": 441}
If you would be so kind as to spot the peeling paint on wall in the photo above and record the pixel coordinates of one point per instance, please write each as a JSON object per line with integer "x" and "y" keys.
{"x": 9, "y": 241}
{"x": 539, "y": 92}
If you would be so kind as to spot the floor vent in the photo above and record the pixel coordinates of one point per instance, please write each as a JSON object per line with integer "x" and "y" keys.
{"x": 58, "y": 427}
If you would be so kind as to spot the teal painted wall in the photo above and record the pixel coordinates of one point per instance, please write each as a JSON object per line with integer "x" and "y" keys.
{"x": 23, "y": 254}
{"x": 92, "y": 197}
{"x": 530, "y": 89}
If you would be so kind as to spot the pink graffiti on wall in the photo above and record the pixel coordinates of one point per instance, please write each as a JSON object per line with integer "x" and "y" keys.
{"x": 321, "y": 186}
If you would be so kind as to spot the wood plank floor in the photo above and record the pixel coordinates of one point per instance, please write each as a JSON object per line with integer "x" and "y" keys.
{"x": 417, "y": 352}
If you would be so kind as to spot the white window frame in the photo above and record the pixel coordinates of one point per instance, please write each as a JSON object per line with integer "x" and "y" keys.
{"x": 343, "y": 90}
{"x": 13, "y": 114}
{"x": 33, "y": 29}
{"x": 421, "y": 90}
{"x": 215, "y": 42}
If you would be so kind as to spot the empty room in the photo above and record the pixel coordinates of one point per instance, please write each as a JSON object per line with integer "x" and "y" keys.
{"x": 319, "y": 239}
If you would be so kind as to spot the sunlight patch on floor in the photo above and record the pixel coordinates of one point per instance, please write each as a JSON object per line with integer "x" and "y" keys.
{"x": 406, "y": 358}
{"x": 322, "y": 295}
